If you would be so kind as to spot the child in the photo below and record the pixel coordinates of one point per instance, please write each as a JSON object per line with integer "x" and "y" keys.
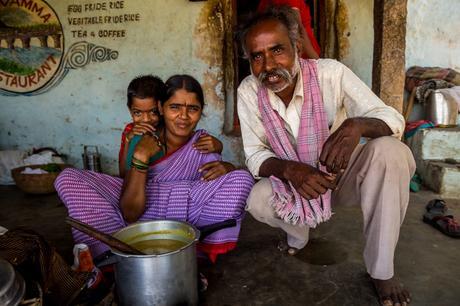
{"x": 144, "y": 93}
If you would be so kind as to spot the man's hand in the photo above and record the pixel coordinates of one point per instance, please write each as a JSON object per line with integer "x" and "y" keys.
{"x": 208, "y": 144}
{"x": 140, "y": 128}
{"x": 339, "y": 146}
{"x": 213, "y": 170}
{"x": 307, "y": 180}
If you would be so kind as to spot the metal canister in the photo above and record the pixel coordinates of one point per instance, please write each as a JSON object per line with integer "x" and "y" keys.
{"x": 441, "y": 108}
{"x": 91, "y": 158}
{"x": 12, "y": 285}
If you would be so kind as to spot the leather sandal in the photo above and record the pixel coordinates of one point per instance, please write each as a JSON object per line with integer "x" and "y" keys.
{"x": 437, "y": 207}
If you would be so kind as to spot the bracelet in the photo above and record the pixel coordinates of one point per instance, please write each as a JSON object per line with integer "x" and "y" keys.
{"x": 139, "y": 166}
{"x": 139, "y": 170}
{"x": 139, "y": 162}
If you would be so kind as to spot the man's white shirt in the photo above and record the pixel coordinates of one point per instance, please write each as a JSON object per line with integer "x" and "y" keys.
{"x": 344, "y": 96}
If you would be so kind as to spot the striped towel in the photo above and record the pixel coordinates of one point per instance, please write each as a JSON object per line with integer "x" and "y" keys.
{"x": 313, "y": 132}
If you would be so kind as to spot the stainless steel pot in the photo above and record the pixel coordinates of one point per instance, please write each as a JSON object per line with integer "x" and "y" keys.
{"x": 441, "y": 108}
{"x": 12, "y": 285}
{"x": 165, "y": 279}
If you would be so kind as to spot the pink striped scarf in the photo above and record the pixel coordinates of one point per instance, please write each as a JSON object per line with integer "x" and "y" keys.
{"x": 313, "y": 132}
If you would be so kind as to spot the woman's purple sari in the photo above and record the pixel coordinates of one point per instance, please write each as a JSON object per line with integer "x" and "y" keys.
{"x": 174, "y": 190}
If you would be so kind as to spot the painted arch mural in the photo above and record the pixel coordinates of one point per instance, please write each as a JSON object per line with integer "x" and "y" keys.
{"x": 32, "y": 55}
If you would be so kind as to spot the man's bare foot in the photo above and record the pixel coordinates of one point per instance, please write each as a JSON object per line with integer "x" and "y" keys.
{"x": 284, "y": 247}
{"x": 390, "y": 292}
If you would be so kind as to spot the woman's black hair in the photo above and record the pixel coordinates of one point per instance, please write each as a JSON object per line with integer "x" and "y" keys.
{"x": 146, "y": 86}
{"x": 183, "y": 81}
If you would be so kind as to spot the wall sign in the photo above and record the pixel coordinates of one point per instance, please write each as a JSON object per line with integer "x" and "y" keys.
{"x": 31, "y": 45}
{"x": 32, "y": 55}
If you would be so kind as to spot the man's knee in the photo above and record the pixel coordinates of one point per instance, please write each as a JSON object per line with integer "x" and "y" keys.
{"x": 392, "y": 152}
{"x": 258, "y": 201}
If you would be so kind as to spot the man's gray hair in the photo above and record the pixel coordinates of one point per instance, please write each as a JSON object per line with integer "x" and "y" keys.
{"x": 283, "y": 14}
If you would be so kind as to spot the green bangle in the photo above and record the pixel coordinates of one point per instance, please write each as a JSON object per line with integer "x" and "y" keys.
{"x": 139, "y": 162}
{"x": 139, "y": 167}
{"x": 140, "y": 170}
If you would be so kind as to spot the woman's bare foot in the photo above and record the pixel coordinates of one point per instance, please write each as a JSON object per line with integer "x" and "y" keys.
{"x": 390, "y": 292}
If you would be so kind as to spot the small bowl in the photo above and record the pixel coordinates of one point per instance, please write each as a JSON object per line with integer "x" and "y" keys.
{"x": 12, "y": 285}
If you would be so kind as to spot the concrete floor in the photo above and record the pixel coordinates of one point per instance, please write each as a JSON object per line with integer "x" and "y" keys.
{"x": 329, "y": 271}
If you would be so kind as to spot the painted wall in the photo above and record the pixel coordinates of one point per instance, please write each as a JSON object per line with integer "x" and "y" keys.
{"x": 89, "y": 106}
{"x": 432, "y": 37}
{"x": 359, "y": 33}
{"x": 430, "y": 40}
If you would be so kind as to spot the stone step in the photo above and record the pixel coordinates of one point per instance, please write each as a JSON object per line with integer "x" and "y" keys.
{"x": 437, "y": 155}
{"x": 436, "y": 144}
{"x": 442, "y": 177}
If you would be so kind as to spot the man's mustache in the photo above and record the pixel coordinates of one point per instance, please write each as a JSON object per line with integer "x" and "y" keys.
{"x": 279, "y": 72}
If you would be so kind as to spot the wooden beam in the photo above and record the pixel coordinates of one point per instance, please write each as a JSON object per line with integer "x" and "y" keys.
{"x": 389, "y": 64}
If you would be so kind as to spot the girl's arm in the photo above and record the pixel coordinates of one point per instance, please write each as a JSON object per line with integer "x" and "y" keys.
{"x": 122, "y": 157}
{"x": 124, "y": 144}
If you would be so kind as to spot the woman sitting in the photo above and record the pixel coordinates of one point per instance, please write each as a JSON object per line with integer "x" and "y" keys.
{"x": 184, "y": 184}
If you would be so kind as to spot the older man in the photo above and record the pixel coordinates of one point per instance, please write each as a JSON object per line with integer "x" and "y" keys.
{"x": 301, "y": 122}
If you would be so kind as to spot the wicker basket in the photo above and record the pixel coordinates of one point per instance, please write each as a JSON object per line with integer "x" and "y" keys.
{"x": 36, "y": 183}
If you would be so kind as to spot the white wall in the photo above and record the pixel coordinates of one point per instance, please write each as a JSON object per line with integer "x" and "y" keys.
{"x": 433, "y": 37}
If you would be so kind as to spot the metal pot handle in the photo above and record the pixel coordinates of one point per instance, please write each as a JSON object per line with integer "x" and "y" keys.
{"x": 109, "y": 259}
{"x": 207, "y": 230}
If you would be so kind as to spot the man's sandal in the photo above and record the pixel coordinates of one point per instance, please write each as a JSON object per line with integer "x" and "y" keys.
{"x": 437, "y": 207}
{"x": 445, "y": 224}
{"x": 437, "y": 216}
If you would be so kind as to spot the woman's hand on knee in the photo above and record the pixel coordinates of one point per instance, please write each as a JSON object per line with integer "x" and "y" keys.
{"x": 213, "y": 170}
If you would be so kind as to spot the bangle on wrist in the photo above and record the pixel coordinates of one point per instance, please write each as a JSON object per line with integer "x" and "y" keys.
{"x": 140, "y": 167}
{"x": 139, "y": 170}
{"x": 139, "y": 162}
